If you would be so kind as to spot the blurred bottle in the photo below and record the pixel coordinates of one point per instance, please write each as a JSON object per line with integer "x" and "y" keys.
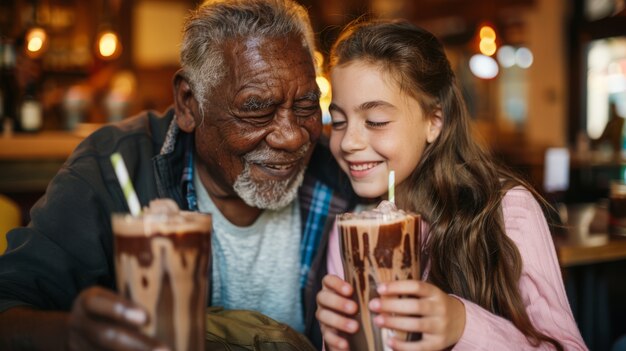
{"x": 31, "y": 112}
{"x": 76, "y": 103}
{"x": 622, "y": 170}
{"x": 623, "y": 138}
{"x": 8, "y": 86}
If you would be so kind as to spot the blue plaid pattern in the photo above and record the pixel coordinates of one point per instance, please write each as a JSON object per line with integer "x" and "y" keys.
{"x": 313, "y": 228}
{"x": 187, "y": 181}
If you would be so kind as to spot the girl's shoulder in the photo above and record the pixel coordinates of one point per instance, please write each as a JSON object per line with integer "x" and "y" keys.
{"x": 519, "y": 191}
{"x": 520, "y": 197}
{"x": 524, "y": 218}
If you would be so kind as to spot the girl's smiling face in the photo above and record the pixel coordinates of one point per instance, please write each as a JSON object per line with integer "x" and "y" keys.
{"x": 376, "y": 127}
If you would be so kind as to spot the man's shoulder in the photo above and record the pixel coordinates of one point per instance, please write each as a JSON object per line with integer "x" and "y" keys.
{"x": 144, "y": 130}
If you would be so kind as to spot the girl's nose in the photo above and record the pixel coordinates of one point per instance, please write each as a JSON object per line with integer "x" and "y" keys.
{"x": 353, "y": 140}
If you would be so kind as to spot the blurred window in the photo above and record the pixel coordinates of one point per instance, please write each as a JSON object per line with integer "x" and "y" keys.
{"x": 606, "y": 82}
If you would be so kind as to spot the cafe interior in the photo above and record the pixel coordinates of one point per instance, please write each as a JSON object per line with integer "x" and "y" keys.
{"x": 544, "y": 80}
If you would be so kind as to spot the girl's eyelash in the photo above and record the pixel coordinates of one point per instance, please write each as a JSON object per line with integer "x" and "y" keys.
{"x": 372, "y": 124}
{"x": 376, "y": 124}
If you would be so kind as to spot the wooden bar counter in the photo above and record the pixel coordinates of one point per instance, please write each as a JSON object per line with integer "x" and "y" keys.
{"x": 48, "y": 145}
{"x": 29, "y": 160}
{"x": 596, "y": 248}
{"x": 589, "y": 267}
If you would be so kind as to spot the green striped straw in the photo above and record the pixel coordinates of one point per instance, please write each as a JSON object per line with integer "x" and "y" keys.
{"x": 126, "y": 184}
{"x": 390, "y": 191}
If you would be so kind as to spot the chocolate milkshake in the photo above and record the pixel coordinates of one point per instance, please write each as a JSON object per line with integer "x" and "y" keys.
{"x": 161, "y": 260}
{"x": 377, "y": 246}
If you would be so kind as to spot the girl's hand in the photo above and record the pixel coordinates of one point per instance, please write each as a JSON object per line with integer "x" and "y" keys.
{"x": 441, "y": 317}
{"x": 333, "y": 303}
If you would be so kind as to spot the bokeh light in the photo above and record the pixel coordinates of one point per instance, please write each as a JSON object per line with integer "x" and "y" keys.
{"x": 483, "y": 66}
{"x": 524, "y": 57}
{"x": 487, "y": 47}
{"x": 319, "y": 60}
{"x": 487, "y": 33}
{"x": 506, "y": 56}
{"x": 35, "y": 41}
{"x": 323, "y": 84}
{"x": 487, "y": 44}
{"x": 108, "y": 45}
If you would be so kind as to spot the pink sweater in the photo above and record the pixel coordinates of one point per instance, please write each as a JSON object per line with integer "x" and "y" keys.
{"x": 541, "y": 285}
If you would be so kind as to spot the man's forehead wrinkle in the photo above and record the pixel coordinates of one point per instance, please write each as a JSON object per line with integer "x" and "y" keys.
{"x": 246, "y": 62}
{"x": 262, "y": 73}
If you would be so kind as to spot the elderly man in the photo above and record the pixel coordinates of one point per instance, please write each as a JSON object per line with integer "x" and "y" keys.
{"x": 244, "y": 127}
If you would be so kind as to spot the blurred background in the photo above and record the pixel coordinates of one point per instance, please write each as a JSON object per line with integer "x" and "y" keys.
{"x": 545, "y": 82}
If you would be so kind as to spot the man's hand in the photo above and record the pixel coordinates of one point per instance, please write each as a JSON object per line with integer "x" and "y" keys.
{"x": 101, "y": 319}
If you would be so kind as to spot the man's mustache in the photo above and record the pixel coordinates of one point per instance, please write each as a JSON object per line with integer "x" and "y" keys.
{"x": 267, "y": 155}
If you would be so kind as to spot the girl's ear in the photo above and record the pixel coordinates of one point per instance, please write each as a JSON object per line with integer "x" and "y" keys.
{"x": 435, "y": 123}
{"x": 185, "y": 103}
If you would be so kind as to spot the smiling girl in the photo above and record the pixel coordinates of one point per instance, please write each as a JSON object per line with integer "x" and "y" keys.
{"x": 491, "y": 278}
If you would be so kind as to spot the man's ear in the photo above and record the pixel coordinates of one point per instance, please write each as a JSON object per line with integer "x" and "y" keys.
{"x": 435, "y": 123}
{"x": 185, "y": 104}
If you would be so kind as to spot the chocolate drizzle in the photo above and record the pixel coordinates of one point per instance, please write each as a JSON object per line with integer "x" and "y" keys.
{"x": 389, "y": 239}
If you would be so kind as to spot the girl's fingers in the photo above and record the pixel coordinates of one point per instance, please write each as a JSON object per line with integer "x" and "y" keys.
{"x": 334, "y": 283}
{"x": 409, "y": 324}
{"x": 405, "y": 306}
{"x": 333, "y": 341}
{"x": 330, "y": 300}
{"x": 334, "y": 320}
{"x": 334, "y": 305}
{"x": 407, "y": 287}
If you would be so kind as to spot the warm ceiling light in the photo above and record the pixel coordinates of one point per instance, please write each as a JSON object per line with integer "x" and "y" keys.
{"x": 487, "y": 47}
{"x": 487, "y": 44}
{"x": 488, "y": 33}
{"x": 35, "y": 41}
{"x": 109, "y": 45}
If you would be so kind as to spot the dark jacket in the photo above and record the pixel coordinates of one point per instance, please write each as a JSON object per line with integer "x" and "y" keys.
{"x": 68, "y": 246}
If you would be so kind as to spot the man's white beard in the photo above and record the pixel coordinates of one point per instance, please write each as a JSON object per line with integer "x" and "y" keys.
{"x": 268, "y": 194}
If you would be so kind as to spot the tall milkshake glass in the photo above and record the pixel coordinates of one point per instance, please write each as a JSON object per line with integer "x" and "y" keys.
{"x": 377, "y": 246}
{"x": 161, "y": 262}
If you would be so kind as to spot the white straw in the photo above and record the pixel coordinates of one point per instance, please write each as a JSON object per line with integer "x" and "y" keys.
{"x": 126, "y": 184}
{"x": 392, "y": 181}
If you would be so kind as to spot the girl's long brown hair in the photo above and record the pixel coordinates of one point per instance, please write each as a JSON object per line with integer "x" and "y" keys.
{"x": 456, "y": 186}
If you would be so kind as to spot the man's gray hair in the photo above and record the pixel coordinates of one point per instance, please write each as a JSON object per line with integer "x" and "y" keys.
{"x": 215, "y": 21}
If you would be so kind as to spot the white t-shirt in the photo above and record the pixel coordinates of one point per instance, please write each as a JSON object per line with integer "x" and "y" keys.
{"x": 257, "y": 267}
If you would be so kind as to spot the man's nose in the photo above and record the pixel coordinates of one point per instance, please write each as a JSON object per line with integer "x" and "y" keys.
{"x": 288, "y": 134}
